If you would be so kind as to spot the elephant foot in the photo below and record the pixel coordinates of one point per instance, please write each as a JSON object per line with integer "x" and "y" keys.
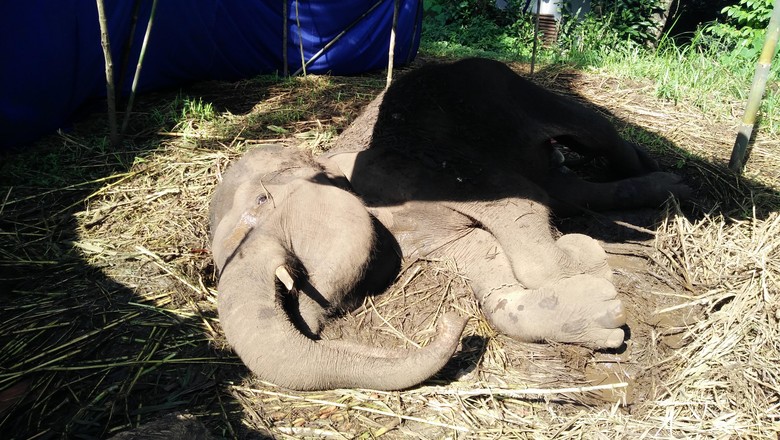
{"x": 652, "y": 190}
{"x": 582, "y": 310}
{"x": 588, "y": 252}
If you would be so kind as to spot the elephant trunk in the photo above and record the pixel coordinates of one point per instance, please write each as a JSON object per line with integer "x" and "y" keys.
{"x": 261, "y": 332}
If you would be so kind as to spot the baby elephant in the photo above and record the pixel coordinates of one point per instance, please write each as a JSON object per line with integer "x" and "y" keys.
{"x": 291, "y": 244}
{"x": 455, "y": 162}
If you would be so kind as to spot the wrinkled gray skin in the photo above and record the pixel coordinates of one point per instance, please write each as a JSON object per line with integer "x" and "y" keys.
{"x": 417, "y": 161}
{"x": 457, "y": 161}
{"x": 278, "y": 208}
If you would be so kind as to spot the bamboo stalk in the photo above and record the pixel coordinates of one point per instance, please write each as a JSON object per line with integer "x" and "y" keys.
{"x": 110, "y": 89}
{"x": 138, "y": 68}
{"x": 337, "y": 38}
{"x": 536, "y": 35}
{"x": 285, "y": 12}
{"x": 391, "y": 50}
{"x": 126, "y": 50}
{"x": 740, "y": 151}
{"x": 410, "y": 52}
{"x": 300, "y": 39}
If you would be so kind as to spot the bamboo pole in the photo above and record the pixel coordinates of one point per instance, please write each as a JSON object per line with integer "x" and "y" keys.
{"x": 740, "y": 151}
{"x": 300, "y": 39}
{"x": 391, "y": 50}
{"x": 126, "y": 50}
{"x": 536, "y": 35}
{"x": 138, "y": 68}
{"x": 285, "y": 12}
{"x": 110, "y": 89}
{"x": 338, "y": 37}
{"x": 410, "y": 50}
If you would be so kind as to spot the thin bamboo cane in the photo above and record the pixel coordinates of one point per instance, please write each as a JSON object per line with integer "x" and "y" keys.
{"x": 337, "y": 38}
{"x": 138, "y": 68}
{"x": 285, "y": 12}
{"x": 300, "y": 39}
{"x": 110, "y": 89}
{"x": 391, "y": 50}
{"x": 126, "y": 50}
{"x": 536, "y": 35}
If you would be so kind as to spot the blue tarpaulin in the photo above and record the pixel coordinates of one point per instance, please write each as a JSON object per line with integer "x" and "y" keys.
{"x": 52, "y": 60}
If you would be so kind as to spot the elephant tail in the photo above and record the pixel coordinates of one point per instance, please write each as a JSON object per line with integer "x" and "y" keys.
{"x": 261, "y": 332}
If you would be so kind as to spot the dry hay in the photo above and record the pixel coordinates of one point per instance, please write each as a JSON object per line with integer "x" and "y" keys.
{"x": 119, "y": 326}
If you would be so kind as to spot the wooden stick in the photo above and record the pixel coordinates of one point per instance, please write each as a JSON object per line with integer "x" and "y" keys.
{"x": 337, "y": 37}
{"x": 350, "y": 407}
{"x": 391, "y": 50}
{"x": 300, "y": 39}
{"x": 285, "y": 12}
{"x": 110, "y": 89}
{"x": 138, "y": 68}
{"x": 126, "y": 50}
{"x": 536, "y": 35}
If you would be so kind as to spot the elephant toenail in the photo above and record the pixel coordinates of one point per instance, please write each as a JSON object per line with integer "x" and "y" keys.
{"x": 549, "y": 303}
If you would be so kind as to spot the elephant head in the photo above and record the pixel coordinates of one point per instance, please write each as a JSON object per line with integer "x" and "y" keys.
{"x": 291, "y": 244}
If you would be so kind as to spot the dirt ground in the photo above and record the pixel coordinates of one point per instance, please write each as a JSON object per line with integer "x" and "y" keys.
{"x": 109, "y": 293}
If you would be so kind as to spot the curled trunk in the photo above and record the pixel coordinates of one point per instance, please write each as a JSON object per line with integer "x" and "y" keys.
{"x": 263, "y": 335}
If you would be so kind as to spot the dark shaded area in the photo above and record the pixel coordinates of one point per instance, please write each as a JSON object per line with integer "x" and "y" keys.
{"x": 465, "y": 360}
{"x": 687, "y": 16}
{"x": 475, "y": 131}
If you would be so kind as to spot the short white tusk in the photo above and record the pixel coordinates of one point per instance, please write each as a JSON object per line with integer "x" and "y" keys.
{"x": 285, "y": 277}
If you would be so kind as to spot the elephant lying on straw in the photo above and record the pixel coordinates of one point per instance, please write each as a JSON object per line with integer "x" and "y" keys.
{"x": 456, "y": 161}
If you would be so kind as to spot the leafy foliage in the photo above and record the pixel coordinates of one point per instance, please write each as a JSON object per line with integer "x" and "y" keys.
{"x": 744, "y": 25}
{"x": 479, "y": 24}
{"x": 630, "y": 19}
{"x": 509, "y": 31}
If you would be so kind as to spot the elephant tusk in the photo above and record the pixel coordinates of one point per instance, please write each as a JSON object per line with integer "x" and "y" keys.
{"x": 285, "y": 277}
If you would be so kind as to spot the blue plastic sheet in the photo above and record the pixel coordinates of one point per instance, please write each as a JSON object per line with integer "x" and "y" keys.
{"x": 52, "y": 60}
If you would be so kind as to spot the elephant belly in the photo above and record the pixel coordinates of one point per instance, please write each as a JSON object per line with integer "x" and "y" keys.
{"x": 422, "y": 228}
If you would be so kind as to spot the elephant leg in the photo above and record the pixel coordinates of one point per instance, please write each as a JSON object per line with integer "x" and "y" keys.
{"x": 582, "y": 309}
{"x": 569, "y": 193}
{"x": 522, "y": 228}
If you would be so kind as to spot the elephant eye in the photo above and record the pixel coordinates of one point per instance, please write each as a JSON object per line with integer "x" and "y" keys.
{"x": 262, "y": 199}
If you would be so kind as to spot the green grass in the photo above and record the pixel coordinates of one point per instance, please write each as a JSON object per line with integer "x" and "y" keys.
{"x": 704, "y": 74}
